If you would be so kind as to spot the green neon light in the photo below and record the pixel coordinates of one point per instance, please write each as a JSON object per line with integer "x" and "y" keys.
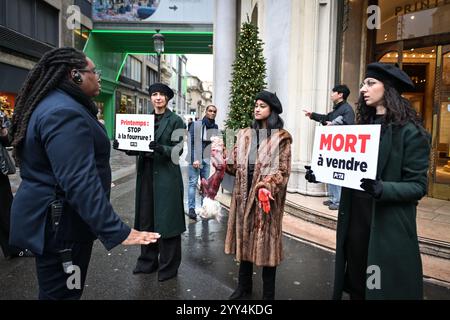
{"x": 86, "y": 44}
{"x": 145, "y": 53}
{"x": 121, "y": 67}
{"x": 150, "y": 32}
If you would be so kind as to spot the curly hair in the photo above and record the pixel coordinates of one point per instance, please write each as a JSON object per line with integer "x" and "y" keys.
{"x": 52, "y": 68}
{"x": 399, "y": 110}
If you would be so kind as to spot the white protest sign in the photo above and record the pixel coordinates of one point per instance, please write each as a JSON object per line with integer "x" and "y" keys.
{"x": 343, "y": 155}
{"x": 135, "y": 131}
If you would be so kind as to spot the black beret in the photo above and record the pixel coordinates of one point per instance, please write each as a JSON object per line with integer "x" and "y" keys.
{"x": 391, "y": 74}
{"x": 271, "y": 99}
{"x": 161, "y": 87}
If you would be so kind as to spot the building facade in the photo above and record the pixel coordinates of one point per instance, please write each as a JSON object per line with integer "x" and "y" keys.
{"x": 416, "y": 36}
{"x": 199, "y": 96}
{"x": 138, "y": 73}
{"x": 311, "y": 45}
{"x": 300, "y": 50}
{"x": 28, "y": 29}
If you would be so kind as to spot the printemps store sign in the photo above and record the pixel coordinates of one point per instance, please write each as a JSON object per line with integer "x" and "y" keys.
{"x": 419, "y": 6}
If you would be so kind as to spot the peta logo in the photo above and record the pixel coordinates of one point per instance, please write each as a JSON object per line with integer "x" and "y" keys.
{"x": 338, "y": 175}
{"x": 133, "y": 144}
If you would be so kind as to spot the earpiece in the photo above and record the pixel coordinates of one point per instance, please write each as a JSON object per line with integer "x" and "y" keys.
{"x": 76, "y": 77}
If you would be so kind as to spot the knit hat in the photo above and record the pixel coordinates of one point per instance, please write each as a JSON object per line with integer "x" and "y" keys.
{"x": 271, "y": 99}
{"x": 391, "y": 74}
{"x": 162, "y": 88}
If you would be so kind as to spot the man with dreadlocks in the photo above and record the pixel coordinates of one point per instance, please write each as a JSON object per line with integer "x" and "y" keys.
{"x": 63, "y": 153}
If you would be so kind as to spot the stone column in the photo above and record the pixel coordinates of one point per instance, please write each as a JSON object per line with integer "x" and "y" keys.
{"x": 311, "y": 77}
{"x": 224, "y": 54}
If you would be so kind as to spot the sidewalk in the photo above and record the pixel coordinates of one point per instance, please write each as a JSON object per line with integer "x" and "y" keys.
{"x": 308, "y": 219}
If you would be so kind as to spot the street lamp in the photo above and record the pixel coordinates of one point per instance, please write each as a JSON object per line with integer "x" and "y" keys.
{"x": 158, "y": 43}
{"x": 135, "y": 93}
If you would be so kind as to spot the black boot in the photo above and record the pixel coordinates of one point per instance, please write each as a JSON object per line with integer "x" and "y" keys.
{"x": 244, "y": 289}
{"x": 268, "y": 275}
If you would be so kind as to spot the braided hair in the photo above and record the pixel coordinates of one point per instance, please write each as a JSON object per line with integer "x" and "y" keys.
{"x": 47, "y": 74}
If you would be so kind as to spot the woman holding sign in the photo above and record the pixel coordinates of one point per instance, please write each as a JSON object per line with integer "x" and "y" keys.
{"x": 377, "y": 249}
{"x": 159, "y": 189}
{"x": 261, "y": 162}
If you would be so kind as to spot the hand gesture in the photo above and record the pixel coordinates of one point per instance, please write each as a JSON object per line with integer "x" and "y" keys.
{"x": 309, "y": 175}
{"x": 264, "y": 197}
{"x": 141, "y": 237}
{"x": 307, "y": 113}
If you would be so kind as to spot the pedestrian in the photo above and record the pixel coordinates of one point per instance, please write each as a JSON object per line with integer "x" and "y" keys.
{"x": 377, "y": 249}
{"x": 62, "y": 204}
{"x": 6, "y": 198}
{"x": 190, "y": 122}
{"x": 342, "y": 114}
{"x": 200, "y": 134}
{"x": 159, "y": 189}
{"x": 261, "y": 162}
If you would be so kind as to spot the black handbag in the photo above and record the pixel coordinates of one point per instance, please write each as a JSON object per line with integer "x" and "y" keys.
{"x": 7, "y": 165}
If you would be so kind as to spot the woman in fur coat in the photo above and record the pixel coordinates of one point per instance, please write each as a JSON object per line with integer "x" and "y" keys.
{"x": 261, "y": 162}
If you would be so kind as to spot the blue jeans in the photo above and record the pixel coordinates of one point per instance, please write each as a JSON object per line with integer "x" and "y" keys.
{"x": 193, "y": 181}
{"x": 335, "y": 193}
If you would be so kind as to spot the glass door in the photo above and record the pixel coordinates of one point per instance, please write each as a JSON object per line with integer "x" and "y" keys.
{"x": 440, "y": 187}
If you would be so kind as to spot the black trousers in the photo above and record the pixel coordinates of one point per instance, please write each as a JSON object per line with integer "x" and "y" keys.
{"x": 6, "y": 198}
{"x": 54, "y": 283}
{"x": 357, "y": 245}
{"x": 268, "y": 276}
{"x": 165, "y": 255}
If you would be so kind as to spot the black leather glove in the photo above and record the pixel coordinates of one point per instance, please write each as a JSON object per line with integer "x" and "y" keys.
{"x": 155, "y": 146}
{"x": 115, "y": 144}
{"x": 309, "y": 175}
{"x": 372, "y": 187}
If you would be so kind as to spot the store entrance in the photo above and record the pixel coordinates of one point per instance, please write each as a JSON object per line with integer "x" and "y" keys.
{"x": 429, "y": 68}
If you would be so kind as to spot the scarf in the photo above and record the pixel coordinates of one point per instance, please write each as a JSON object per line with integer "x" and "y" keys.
{"x": 208, "y": 123}
{"x": 75, "y": 92}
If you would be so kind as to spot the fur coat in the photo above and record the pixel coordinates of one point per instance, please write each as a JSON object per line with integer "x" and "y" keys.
{"x": 253, "y": 235}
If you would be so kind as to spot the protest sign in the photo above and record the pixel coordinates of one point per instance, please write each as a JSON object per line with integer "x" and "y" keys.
{"x": 135, "y": 131}
{"x": 343, "y": 155}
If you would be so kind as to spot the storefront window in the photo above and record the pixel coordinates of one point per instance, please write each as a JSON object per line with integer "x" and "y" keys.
{"x": 7, "y": 101}
{"x": 100, "y": 114}
{"x": 405, "y": 26}
{"x": 127, "y": 104}
{"x": 406, "y": 19}
{"x": 443, "y": 145}
{"x": 420, "y": 65}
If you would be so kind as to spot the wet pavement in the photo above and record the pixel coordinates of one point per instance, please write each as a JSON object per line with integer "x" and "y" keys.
{"x": 206, "y": 273}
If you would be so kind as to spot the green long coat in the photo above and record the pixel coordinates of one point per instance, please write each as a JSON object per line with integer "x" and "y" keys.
{"x": 168, "y": 204}
{"x": 393, "y": 244}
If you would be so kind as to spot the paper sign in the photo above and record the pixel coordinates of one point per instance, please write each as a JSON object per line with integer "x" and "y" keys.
{"x": 343, "y": 155}
{"x": 135, "y": 131}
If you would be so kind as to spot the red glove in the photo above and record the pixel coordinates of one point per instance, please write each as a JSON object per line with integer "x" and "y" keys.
{"x": 264, "y": 197}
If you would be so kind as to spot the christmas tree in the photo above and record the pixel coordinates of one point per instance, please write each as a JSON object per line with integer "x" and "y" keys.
{"x": 249, "y": 72}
